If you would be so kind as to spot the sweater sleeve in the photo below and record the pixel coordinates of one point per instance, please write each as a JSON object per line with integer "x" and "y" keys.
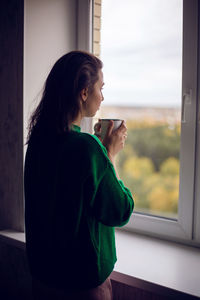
{"x": 110, "y": 201}
{"x": 113, "y": 203}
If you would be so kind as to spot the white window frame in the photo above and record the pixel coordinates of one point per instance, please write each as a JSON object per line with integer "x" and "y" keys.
{"x": 186, "y": 228}
{"x": 84, "y": 40}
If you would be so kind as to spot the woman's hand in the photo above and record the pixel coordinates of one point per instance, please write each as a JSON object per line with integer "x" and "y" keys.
{"x": 97, "y": 129}
{"x": 114, "y": 140}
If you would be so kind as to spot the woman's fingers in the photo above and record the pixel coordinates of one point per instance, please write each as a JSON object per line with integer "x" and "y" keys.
{"x": 97, "y": 128}
{"x": 110, "y": 128}
{"x": 122, "y": 129}
{"x": 114, "y": 140}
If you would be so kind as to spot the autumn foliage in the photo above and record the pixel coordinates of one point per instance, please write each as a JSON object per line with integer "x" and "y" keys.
{"x": 149, "y": 166}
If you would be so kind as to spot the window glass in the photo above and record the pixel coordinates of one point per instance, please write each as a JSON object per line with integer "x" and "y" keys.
{"x": 140, "y": 44}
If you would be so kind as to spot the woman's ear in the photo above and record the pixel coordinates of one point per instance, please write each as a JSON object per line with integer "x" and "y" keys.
{"x": 84, "y": 94}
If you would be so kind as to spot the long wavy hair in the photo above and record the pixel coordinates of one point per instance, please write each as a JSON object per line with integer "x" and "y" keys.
{"x": 60, "y": 103}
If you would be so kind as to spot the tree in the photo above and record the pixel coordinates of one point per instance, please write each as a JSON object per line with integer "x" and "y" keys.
{"x": 149, "y": 166}
{"x": 155, "y": 142}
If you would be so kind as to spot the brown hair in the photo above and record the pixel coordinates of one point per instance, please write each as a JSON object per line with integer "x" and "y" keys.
{"x": 60, "y": 104}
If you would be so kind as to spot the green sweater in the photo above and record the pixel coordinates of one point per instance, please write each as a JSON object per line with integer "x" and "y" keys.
{"x": 73, "y": 201}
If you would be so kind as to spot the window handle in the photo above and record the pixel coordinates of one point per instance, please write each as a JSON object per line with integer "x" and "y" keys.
{"x": 187, "y": 100}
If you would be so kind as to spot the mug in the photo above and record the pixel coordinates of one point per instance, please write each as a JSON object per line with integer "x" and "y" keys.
{"x": 104, "y": 126}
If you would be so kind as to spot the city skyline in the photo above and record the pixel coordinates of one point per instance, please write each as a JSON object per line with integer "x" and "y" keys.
{"x": 170, "y": 115}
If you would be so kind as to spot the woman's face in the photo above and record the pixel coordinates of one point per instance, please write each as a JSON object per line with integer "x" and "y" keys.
{"x": 95, "y": 97}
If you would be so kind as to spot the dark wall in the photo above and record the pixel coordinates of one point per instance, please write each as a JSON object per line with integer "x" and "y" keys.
{"x": 11, "y": 114}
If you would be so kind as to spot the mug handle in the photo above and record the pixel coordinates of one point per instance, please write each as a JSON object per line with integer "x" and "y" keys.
{"x": 97, "y": 129}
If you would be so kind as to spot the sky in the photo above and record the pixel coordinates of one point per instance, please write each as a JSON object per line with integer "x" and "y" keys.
{"x": 141, "y": 48}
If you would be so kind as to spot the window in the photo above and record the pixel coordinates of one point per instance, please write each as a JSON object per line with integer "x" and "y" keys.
{"x": 149, "y": 50}
{"x": 144, "y": 76}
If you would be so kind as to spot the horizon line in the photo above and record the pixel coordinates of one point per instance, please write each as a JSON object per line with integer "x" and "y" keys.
{"x": 140, "y": 106}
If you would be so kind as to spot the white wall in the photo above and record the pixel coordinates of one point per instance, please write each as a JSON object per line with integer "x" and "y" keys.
{"x": 49, "y": 32}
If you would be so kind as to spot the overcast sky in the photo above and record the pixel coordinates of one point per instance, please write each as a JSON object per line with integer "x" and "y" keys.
{"x": 141, "y": 50}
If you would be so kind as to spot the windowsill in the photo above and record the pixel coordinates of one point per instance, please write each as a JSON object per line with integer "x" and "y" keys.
{"x": 147, "y": 263}
{"x": 157, "y": 265}
{"x": 13, "y": 238}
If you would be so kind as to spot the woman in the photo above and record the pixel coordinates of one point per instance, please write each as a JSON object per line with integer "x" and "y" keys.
{"x": 73, "y": 195}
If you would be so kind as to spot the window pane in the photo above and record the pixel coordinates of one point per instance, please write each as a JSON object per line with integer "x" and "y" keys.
{"x": 141, "y": 47}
